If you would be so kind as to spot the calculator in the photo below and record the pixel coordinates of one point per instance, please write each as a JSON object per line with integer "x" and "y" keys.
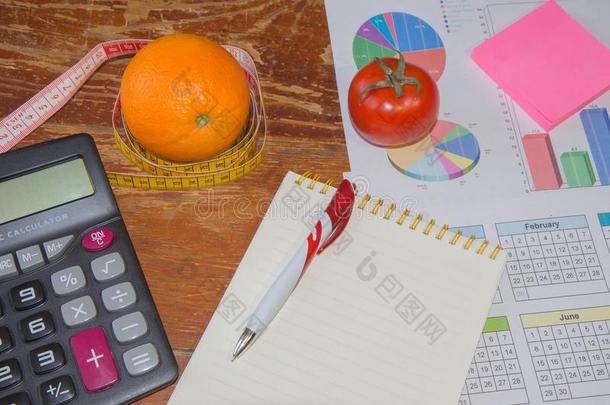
{"x": 78, "y": 324}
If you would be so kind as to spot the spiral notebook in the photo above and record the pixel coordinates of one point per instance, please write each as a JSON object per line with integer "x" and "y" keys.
{"x": 390, "y": 314}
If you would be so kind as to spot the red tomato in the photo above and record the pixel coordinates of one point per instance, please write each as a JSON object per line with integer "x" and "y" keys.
{"x": 388, "y": 107}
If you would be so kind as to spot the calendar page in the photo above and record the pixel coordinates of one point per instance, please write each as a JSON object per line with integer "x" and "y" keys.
{"x": 494, "y": 174}
{"x": 547, "y": 338}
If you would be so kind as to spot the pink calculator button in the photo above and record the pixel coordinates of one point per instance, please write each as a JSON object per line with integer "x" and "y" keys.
{"x": 98, "y": 239}
{"x": 94, "y": 359}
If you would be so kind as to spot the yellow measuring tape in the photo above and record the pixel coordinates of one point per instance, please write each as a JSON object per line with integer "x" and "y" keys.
{"x": 236, "y": 162}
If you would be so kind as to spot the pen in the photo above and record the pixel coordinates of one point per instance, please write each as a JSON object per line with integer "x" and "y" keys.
{"x": 328, "y": 227}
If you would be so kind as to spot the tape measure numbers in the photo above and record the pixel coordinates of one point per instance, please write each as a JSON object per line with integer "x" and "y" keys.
{"x": 234, "y": 163}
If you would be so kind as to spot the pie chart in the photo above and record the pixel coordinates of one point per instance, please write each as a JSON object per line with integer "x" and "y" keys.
{"x": 384, "y": 33}
{"x": 452, "y": 151}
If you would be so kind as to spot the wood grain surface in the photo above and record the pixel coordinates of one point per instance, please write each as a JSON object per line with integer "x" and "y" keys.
{"x": 189, "y": 243}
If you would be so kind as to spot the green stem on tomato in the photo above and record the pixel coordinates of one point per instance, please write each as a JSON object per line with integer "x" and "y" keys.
{"x": 395, "y": 79}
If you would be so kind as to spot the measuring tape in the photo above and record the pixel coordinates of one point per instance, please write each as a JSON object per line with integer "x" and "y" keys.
{"x": 236, "y": 162}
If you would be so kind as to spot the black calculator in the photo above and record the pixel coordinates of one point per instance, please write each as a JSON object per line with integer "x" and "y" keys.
{"x": 77, "y": 322}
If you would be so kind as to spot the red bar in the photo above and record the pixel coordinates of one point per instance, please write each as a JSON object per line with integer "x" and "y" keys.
{"x": 542, "y": 161}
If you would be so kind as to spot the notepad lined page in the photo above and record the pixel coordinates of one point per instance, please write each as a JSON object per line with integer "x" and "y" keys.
{"x": 387, "y": 315}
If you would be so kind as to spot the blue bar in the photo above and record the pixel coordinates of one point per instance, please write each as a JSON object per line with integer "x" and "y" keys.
{"x": 597, "y": 127}
{"x": 604, "y": 218}
{"x": 541, "y": 225}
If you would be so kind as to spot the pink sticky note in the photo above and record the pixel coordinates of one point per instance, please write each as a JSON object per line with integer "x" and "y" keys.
{"x": 548, "y": 63}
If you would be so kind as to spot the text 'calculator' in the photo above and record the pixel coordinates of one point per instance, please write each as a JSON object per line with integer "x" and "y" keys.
{"x": 77, "y": 322}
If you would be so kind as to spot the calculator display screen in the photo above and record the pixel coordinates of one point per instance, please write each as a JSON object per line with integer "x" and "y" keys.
{"x": 44, "y": 189}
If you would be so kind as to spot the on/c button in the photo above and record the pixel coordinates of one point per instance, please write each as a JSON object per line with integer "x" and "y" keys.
{"x": 98, "y": 239}
{"x": 94, "y": 359}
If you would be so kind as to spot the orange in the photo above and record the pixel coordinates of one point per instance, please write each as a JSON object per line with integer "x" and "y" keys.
{"x": 185, "y": 98}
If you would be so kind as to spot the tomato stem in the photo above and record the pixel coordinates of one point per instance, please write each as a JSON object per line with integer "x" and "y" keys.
{"x": 394, "y": 79}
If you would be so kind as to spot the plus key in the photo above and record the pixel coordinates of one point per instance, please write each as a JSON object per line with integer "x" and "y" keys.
{"x": 94, "y": 359}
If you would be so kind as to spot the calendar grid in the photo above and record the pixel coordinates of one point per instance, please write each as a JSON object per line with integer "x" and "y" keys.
{"x": 570, "y": 352}
{"x": 495, "y": 372}
{"x": 548, "y": 258}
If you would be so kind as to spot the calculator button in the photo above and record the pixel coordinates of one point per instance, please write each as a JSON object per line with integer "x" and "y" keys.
{"x": 7, "y": 265}
{"x": 78, "y": 311}
{"x": 98, "y": 239}
{"x": 58, "y": 391}
{"x": 141, "y": 359}
{"x": 94, "y": 359}
{"x": 108, "y": 267}
{"x": 68, "y": 280}
{"x": 56, "y": 247}
{"x": 47, "y": 358}
{"x": 37, "y": 326}
{"x": 10, "y": 373}
{"x": 27, "y": 295}
{"x": 129, "y": 327}
{"x": 30, "y": 258}
{"x": 6, "y": 342}
{"x": 20, "y": 398}
{"x": 118, "y": 296}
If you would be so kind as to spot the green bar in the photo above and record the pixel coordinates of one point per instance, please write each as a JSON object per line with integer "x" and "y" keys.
{"x": 497, "y": 324}
{"x": 578, "y": 169}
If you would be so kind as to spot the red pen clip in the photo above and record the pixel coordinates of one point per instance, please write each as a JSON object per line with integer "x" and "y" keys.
{"x": 339, "y": 210}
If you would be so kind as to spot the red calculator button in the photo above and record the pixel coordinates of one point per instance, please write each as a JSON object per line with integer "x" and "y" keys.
{"x": 94, "y": 359}
{"x": 98, "y": 239}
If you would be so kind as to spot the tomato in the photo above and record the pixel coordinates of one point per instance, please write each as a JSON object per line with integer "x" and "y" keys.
{"x": 392, "y": 103}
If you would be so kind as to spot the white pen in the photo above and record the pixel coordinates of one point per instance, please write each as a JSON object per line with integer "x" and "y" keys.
{"x": 326, "y": 230}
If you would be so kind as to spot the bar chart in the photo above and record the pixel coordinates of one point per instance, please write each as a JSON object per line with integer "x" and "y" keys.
{"x": 597, "y": 127}
{"x": 552, "y": 169}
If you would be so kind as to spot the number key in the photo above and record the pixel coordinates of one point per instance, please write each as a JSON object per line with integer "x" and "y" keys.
{"x": 37, "y": 326}
{"x": 27, "y": 295}
{"x": 10, "y": 373}
{"x": 47, "y": 358}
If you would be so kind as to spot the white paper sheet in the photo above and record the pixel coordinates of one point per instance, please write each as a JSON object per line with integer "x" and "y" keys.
{"x": 561, "y": 250}
{"x": 376, "y": 319}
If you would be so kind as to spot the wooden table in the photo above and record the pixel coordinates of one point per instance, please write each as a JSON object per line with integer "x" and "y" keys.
{"x": 189, "y": 243}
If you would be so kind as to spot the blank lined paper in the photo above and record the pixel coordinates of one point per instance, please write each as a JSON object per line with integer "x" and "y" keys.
{"x": 386, "y": 315}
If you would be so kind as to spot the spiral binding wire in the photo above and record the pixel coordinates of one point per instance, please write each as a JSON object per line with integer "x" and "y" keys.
{"x": 404, "y": 215}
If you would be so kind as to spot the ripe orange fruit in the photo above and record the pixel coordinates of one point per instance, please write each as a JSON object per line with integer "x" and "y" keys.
{"x": 185, "y": 98}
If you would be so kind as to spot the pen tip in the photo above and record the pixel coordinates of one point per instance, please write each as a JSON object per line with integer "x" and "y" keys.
{"x": 244, "y": 341}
